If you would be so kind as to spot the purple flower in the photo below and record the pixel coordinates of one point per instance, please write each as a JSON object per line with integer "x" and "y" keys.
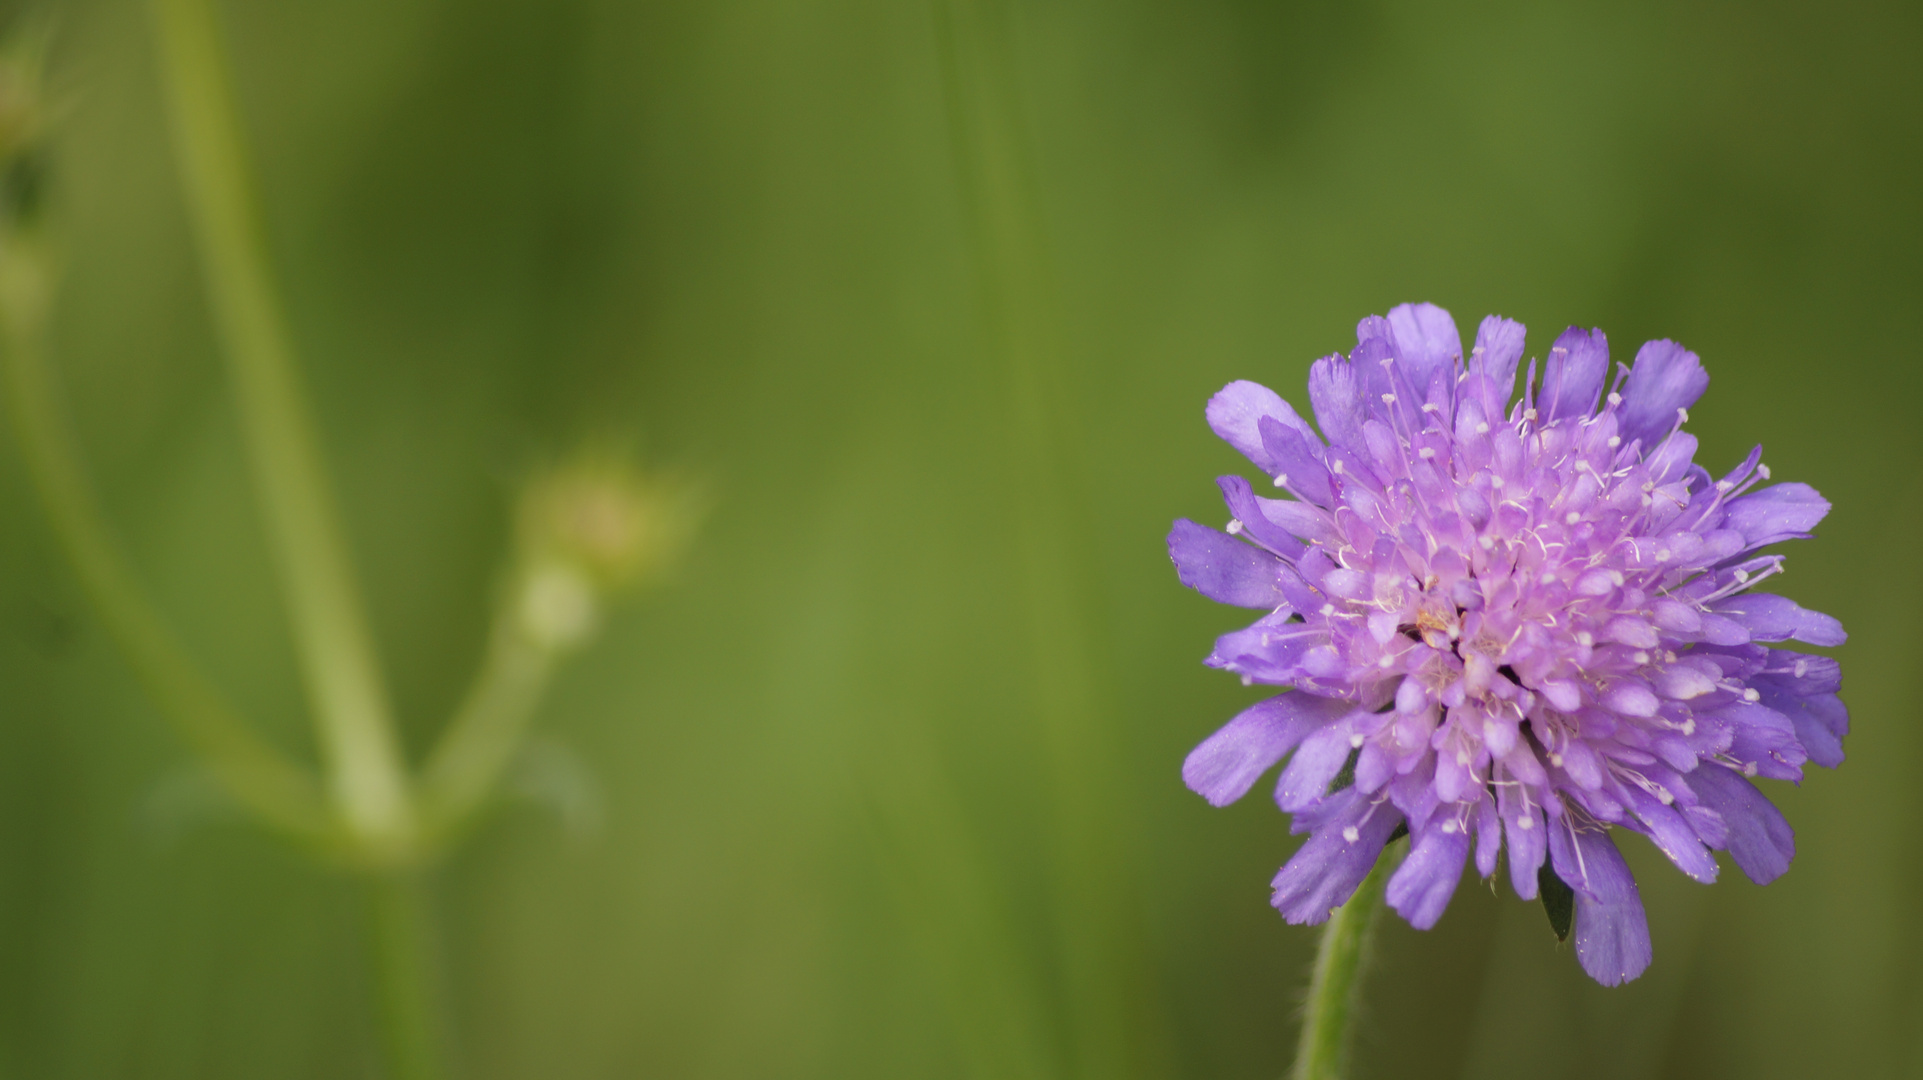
{"x": 1523, "y": 624}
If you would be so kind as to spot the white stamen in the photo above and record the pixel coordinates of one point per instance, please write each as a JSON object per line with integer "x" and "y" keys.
{"x": 1248, "y": 680}
{"x": 1282, "y": 479}
{"x": 1488, "y": 542}
{"x": 1615, "y": 440}
{"x": 1742, "y": 576}
{"x": 1386, "y": 661}
{"x": 1328, "y": 609}
{"x": 1556, "y": 760}
{"x": 1350, "y": 834}
{"x": 1432, "y": 407}
{"x": 1338, "y": 464}
{"x": 1762, "y": 470}
{"x": 1571, "y": 517}
{"x": 1584, "y": 638}
{"x": 1481, "y": 428}
{"x": 1615, "y": 399}
{"x": 1495, "y": 481}
{"x": 1662, "y": 555}
{"x": 1682, "y": 415}
{"x": 1449, "y": 826}
{"x": 1640, "y": 657}
{"x": 1530, "y": 415}
{"x": 1387, "y": 399}
{"x": 1528, "y": 822}
{"x": 1801, "y": 667}
{"x": 1750, "y": 694}
{"x": 1235, "y": 527}
{"x": 1426, "y": 453}
{"x": 1355, "y": 741}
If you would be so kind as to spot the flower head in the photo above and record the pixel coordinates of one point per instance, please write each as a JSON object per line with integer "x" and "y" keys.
{"x": 1508, "y": 626}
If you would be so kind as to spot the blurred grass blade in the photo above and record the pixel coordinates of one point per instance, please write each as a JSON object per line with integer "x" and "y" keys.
{"x": 1112, "y": 1035}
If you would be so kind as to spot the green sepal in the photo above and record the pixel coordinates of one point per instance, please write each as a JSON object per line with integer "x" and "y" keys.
{"x": 1558, "y": 901}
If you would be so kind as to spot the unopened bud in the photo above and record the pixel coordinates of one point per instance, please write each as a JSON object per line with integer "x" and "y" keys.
{"x": 612, "y": 523}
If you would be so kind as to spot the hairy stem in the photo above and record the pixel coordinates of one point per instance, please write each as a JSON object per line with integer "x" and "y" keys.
{"x": 365, "y": 775}
{"x": 1336, "y": 985}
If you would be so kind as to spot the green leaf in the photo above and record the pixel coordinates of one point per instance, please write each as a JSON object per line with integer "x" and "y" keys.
{"x": 1558, "y": 901}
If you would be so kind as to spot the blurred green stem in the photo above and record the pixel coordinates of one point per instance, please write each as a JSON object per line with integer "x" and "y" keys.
{"x": 1336, "y": 985}
{"x": 408, "y": 989}
{"x": 366, "y": 778}
{"x": 253, "y": 772}
{"x": 484, "y": 736}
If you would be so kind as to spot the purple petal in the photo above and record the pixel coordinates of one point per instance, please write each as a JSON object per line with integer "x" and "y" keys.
{"x": 1768, "y": 617}
{"x": 1256, "y": 525}
{"x": 1269, "y": 651}
{"x": 1612, "y": 934}
{"x": 1821, "y": 721}
{"x": 1327, "y": 868}
{"x": 1573, "y": 378}
{"x": 1336, "y": 395}
{"x": 1488, "y": 837}
{"x": 1236, "y": 410}
{"x": 1296, "y": 460}
{"x": 1666, "y": 377}
{"x": 1760, "y": 841}
{"x": 1498, "y": 348}
{"x": 1229, "y": 762}
{"x": 1802, "y": 673}
{"x": 1306, "y": 779}
{"x": 1776, "y": 513}
{"x": 1427, "y": 340}
{"x": 1525, "y": 844}
{"x": 1673, "y": 835}
{"x": 1425, "y": 881}
{"x": 1224, "y": 569}
{"x": 1671, "y": 458}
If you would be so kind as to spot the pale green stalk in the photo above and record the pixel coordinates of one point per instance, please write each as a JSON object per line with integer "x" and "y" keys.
{"x": 365, "y": 774}
{"x": 257, "y": 775}
{"x": 486, "y": 733}
{"x": 1335, "y": 988}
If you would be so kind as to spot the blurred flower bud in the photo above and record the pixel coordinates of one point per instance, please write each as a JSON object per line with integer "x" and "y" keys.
{"x": 593, "y": 526}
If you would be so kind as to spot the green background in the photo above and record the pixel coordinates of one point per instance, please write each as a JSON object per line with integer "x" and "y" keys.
{"x": 828, "y": 827}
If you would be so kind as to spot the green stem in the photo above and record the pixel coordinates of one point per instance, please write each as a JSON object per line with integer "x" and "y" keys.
{"x": 1335, "y": 987}
{"x": 485, "y": 734}
{"x": 253, "y": 772}
{"x": 366, "y": 777}
{"x": 407, "y": 988}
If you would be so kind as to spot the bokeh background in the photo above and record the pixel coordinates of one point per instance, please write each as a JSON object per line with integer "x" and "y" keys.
{"x": 837, "y": 828}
